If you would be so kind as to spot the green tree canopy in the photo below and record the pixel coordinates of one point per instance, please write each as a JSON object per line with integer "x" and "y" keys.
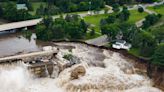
{"x": 147, "y": 44}
{"x": 124, "y": 14}
{"x": 158, "y": 32}
{"x": 111, "y": 30}
{"x": 1, "y": 11}
{"x": 158, "y": 57}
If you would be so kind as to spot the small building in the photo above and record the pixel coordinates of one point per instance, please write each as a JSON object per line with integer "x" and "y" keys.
{"x": 121, "y": 44}
{"x": 21, "y": 6}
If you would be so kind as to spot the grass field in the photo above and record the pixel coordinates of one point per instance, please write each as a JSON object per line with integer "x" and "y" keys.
{"x": 136, "y": 16}
{"x": 158, "y": 9}
{"x": 95, "y": 20}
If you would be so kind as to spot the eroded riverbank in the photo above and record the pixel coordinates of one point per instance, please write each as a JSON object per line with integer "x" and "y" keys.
{"x": 106, "y": 71}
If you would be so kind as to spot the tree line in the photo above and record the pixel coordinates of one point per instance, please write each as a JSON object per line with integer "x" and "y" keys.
{"x": 10, "y": 12}
{"x": 72, "y": 27}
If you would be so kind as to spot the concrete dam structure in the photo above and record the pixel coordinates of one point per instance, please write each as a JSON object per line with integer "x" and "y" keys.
{"x": 40, "y": 63}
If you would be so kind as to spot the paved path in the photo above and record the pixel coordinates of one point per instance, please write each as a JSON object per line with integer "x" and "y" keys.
{"x": 99, "y": 41}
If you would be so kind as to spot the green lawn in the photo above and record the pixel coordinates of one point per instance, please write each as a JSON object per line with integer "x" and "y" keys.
{"x": 136, "y": 16}
{"x": 95, "y": 20}
{"x": 36, "y": 5}
{"x": 158, "y": 9}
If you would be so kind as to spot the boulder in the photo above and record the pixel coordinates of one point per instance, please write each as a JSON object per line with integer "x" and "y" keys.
{"x": 78, "y": 72}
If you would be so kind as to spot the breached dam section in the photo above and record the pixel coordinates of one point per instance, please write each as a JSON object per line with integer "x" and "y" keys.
{"x": 79, "y": 68}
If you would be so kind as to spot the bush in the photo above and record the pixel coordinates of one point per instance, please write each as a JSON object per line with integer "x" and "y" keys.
{"x": 92, "y": 32}
{"x": 68, "y": 56}
{"x": 140, "y": 9}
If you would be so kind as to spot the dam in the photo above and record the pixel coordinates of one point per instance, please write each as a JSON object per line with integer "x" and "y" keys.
{"x": 37, "y": 62}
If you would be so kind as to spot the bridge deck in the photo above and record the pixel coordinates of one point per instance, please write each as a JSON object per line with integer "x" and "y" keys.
{"x": 28, "y": 55}
{"x": 21, "y": 24}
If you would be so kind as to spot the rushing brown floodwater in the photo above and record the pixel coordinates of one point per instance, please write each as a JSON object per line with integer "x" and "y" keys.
{"x": 106, "y": 71}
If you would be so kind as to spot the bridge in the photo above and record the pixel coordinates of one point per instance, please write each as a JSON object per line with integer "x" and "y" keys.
{"x": 21, "y": 24}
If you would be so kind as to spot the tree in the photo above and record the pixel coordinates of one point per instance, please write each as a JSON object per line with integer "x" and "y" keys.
{"x": 29, "y": 6}
{"x": 115, "y": 7}
{"x": 83, "y": 6}
{"x": 120, "y": 2}
{"x": 140, "y": 9}
{"x": 106, "y": 10}
{"x": 136, "y": 40}
{"x": 10, "y": 12}
{"x": 40, "y": 10}
{"x": 22, "y": 15}
{"x": 1, "y": 11}
{"x": 83, "y": 25}
{"x": 58, "y": 31}
{"x": 111, "y": 30}
{"x": 74, "y": 31}
{"x": 73, "y": 7}
{"x": 92, "y": 32}
{"x": 150, "y": 20}
{"x": 111, "y": 19}
{"x": 103, "y": 22}
{"x": 40, "y": 32}
{"x": 47, "y": 21}
{"x": 147, "y": 44}
{"x": 124, "y": 14}
{"x": 21, "y": 1}
{"x": 95, "y": 4}
{"x": 128, "y": 30}
{"x": 159, "y": 33}
{"x": 158, "y": 56}
{"x": 146, "y": 1}
{"x": 53, "y": 10}
{"x": 72, "y": 27}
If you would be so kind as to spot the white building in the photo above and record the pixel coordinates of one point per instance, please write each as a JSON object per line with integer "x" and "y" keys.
{"x": 22, "y": 6}
{"x": 121, "y": 44}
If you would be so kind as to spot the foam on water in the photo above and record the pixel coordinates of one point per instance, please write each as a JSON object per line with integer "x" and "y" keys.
{"x": 117, "y": 75}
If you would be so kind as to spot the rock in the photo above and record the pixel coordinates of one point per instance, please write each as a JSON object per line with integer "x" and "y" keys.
{"x": 78, "y": 72}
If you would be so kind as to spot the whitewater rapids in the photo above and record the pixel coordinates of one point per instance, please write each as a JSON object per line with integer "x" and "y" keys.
{"x": 106, "y": 71}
